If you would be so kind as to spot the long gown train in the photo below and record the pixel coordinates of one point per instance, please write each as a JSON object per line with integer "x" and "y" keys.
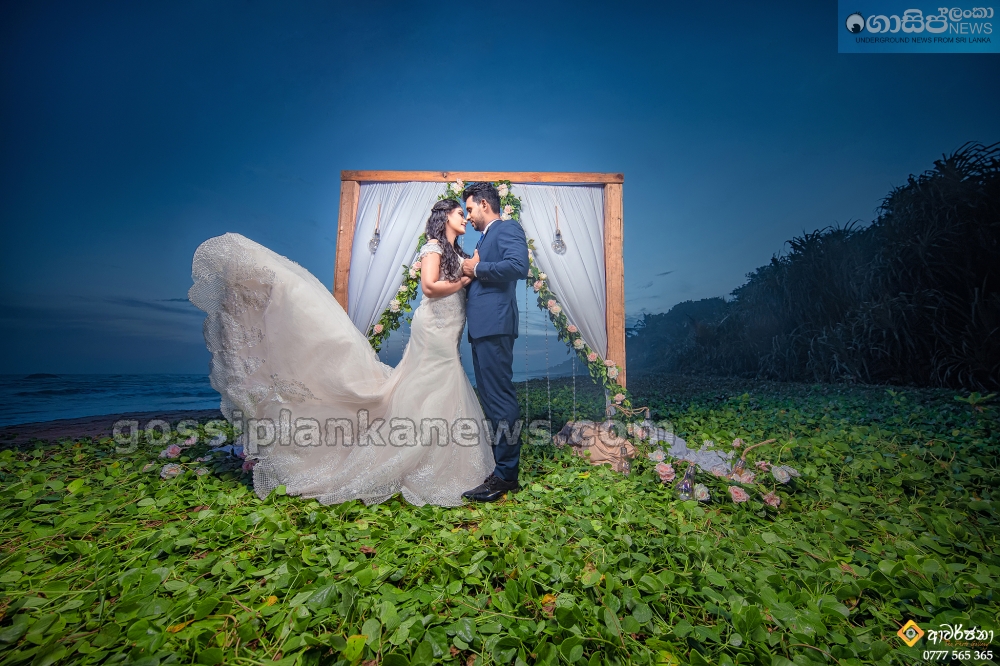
{"x": 291, "y": 366}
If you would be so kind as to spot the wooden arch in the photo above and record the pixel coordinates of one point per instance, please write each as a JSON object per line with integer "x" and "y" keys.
{"x": 614, "y": 266}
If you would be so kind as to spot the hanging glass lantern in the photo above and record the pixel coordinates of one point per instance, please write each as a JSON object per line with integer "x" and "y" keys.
{"x": 373, "y": 243}
{"x": 558, "y": 246}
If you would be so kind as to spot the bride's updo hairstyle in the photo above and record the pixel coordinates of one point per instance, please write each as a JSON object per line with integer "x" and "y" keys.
{"x": 452, "y": 255}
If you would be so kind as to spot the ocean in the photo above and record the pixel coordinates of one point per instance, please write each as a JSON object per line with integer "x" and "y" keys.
{"x": 45, "y": 397}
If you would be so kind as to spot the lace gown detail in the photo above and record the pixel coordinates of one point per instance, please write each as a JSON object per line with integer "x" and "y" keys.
{"x": 289, "y": 363}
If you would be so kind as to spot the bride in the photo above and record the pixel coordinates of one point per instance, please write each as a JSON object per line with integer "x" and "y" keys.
{"x": 323, "y": 416}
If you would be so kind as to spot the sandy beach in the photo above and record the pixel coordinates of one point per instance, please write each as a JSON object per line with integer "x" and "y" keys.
{"x": 92, "y": 426}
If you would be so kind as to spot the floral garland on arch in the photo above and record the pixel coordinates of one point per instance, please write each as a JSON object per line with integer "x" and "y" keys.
{"x": 604, "y": 371}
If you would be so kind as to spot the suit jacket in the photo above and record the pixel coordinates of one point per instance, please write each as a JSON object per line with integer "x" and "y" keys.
{"x": 491, "y": 308}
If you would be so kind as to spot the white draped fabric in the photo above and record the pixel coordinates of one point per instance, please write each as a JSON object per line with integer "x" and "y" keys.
{"x": 576, "y": 277}
{"x": 375, "y": 278}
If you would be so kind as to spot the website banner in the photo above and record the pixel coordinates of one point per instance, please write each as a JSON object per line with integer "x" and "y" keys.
{"x": 906, "y": 26}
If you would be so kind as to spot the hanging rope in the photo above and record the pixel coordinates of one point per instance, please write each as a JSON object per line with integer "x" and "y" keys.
{"x": 574, "y": 387}
{"x": 526, "y": 313}
{"x": 548, "y": 385}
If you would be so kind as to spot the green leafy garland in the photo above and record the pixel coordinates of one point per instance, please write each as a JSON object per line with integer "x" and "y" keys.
{"x": 603, "y": 371}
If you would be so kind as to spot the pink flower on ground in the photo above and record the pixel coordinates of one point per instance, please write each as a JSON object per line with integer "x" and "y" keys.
{"x": 377, "y": 328}
{"x": 771, "y": 499}
{"x": 738, "y": 443}
{"x": 592, "y": 356}
{"x": 666, "y": 472}
{"x": 619, "y": 397}
{"x": 571, "y": 328}
{"x": 738, "y": 494}
{"x": 719, "y": 472}
{"x": 537, "y": 285}
{"x": 657, "y": 456}
{"x": 170, "y": 470}
{"x": 746, "y": 477}
{"x": 248, "y": 465}
{"x": 763, "y": 465}
{"x": 171, "y": 451}
{"x": 191, "y": 441}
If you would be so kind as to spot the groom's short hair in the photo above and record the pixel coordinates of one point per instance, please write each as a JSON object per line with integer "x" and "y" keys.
{"x": 483, "y": 192}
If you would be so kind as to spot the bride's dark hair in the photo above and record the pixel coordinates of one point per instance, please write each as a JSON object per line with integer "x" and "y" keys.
{"x": 451, "y": 258}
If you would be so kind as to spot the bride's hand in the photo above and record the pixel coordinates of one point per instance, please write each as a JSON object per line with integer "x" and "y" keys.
{"x": 465, "y": 281}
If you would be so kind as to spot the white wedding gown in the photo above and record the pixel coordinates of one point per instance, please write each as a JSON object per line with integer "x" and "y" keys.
{"x": 280, "y": 341}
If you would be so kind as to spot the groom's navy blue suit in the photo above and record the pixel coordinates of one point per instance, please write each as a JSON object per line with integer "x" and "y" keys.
{"x": 491, "y": 311}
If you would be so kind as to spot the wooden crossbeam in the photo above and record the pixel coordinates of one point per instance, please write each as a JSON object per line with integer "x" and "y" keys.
{"x": 583, "y": 178}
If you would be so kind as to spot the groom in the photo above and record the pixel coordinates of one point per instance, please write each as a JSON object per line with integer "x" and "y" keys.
{"x": 500, "y": 260}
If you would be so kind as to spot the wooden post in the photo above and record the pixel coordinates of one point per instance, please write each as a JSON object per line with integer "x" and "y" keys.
{"x": 350, "y": 192}
{"x": 614, "y": 276}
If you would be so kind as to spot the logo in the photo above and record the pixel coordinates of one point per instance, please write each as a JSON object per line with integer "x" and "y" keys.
{"x": 910, "y": 633}
{"x": 904, "y": 26}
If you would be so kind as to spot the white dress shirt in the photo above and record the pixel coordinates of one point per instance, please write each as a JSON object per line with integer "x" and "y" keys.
{"x": 485, "y": 229}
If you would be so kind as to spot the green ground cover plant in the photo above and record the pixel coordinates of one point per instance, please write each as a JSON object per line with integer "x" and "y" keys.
{"x": 893, "y": 518}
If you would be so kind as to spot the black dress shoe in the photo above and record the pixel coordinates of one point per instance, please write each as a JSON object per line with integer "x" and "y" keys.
{"x": 491, "y": 490}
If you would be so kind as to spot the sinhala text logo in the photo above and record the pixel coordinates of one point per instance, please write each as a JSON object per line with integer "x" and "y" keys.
{"x": 954, "y": 20}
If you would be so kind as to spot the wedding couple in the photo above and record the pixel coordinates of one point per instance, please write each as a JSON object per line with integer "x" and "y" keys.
{"x": 290, "y": 364}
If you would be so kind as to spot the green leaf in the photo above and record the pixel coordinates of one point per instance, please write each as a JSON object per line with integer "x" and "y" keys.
{"x": 355, "y": 648}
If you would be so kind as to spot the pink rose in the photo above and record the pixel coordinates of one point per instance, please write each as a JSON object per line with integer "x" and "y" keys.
{"x": 571, "y": 328}
{"x": 771, "y": 499}
{"x": 417, "y": 265}
{"x": 191, "y": 441}
{"x": 537, "y": 285}
{"x": 592, "y": 356}
{"x": 378, "y": 328}
{"x": 610, "y": 363}
{"x": 737, "y": 443}
{"x": 763, "y": 465}
{"x": 171, "y": 451}
{"x": 550, "y": 303}
{"x": 666, "y": 472}
{"x": 738, "y": 494}
{"x": 555, "y": 309}
{"x": 619, "y": 397}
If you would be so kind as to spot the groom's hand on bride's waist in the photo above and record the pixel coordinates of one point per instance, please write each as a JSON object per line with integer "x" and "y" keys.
{"x": 469, "y": 265}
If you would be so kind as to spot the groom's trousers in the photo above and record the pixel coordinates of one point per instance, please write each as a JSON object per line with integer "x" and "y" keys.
{"x": 493, "y": 363}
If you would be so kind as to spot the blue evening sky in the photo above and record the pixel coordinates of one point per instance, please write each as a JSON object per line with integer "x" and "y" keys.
{"x": 133, "y": 131}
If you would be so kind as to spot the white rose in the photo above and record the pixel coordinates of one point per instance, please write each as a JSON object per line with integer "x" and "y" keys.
{"x": 413, "y": 273}
{"x": 502, "y": 190}
{"x": 543, "y": 276}
{"x": 394, "y": 305}
{"x": 508, "y": 209}
{"x": 459, "y": 184}
{"x": 402, "y": 289}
